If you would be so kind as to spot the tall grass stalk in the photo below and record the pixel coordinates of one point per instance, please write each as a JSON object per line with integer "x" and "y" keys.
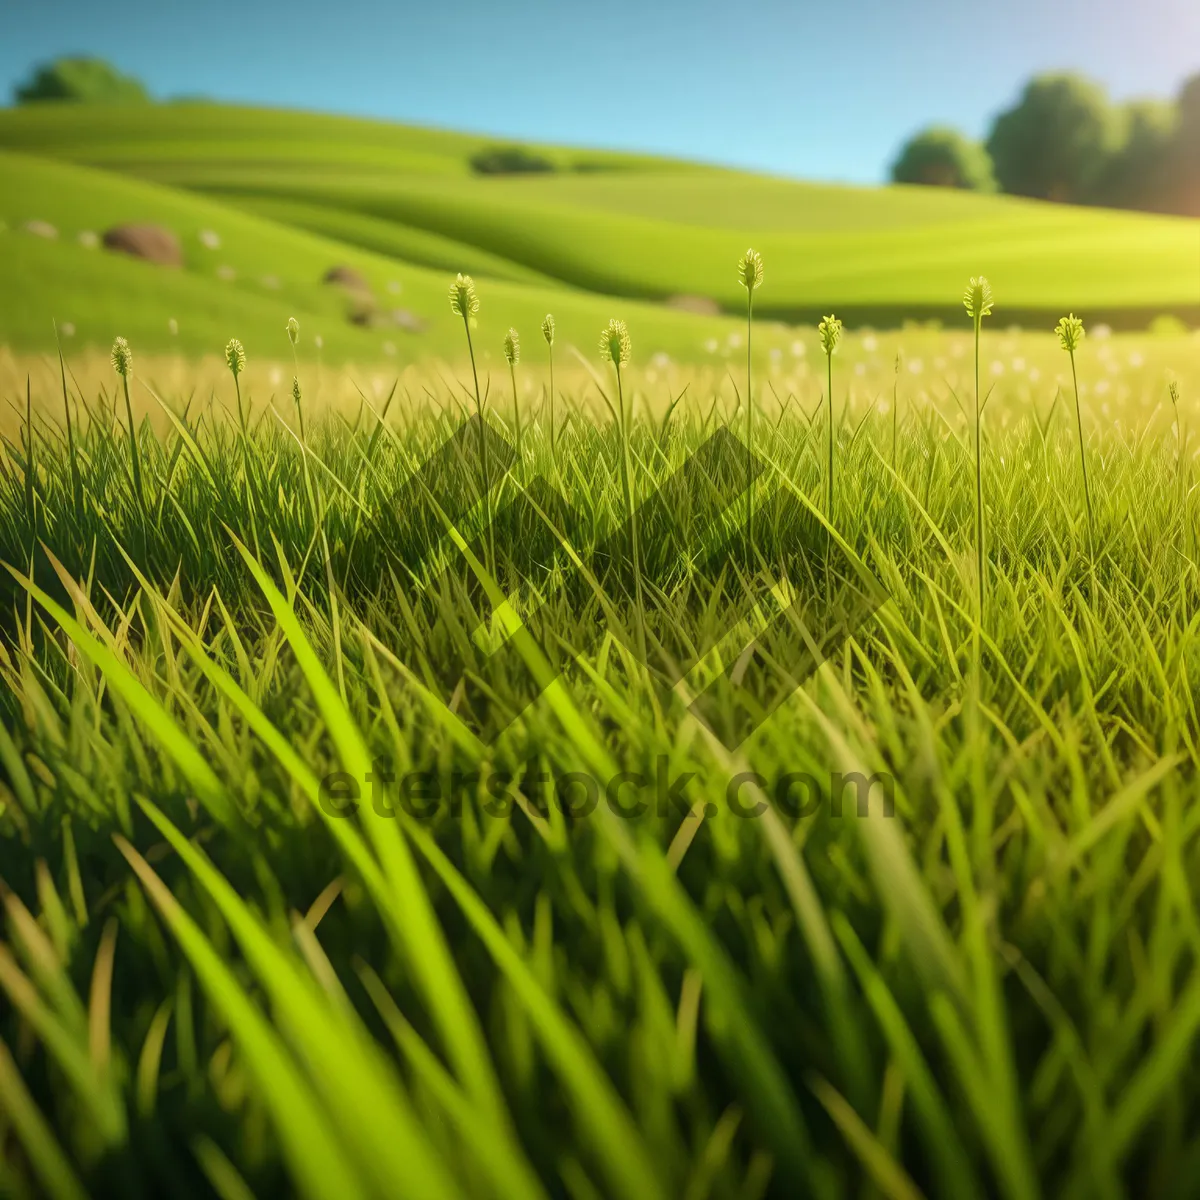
{"x": 830, "y": 331}
{"x": 548, "y": 334}
{"x": 122, "y": 360}
{"x": 512, "y": 356}
{"x": 1070, "y": 333}
{"x": 123, "y": 364}
{"x": 464, "y": 302}
{"x": 235, "y": 360}
{"x": 293, "y": 333}
{"x": 977, "y": 300}
{"x": 616, "y": 347}
{"x": 895, "y": 407}
{"x": 750, "y": 275}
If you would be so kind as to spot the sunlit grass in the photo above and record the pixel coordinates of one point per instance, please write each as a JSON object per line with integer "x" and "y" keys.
{"x": 989, "y": 989}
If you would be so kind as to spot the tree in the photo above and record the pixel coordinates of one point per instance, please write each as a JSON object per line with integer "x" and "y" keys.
{"x": 1188, "y": 105}
{"x": 1056, "y": 141}
{"x": 1184, "y": 153}
{"x": 83, "y": 80}
{"x": 943, "y": 157}
{"x": 1136, "y": 175}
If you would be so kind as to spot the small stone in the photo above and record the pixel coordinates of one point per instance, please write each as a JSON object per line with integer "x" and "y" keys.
{"x": 152, "y": 243}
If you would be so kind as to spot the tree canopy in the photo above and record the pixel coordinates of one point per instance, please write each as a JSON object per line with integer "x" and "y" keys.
{"x": 82, "y": 80}
{"x": 1136, "y": 173}
{"x": 1054, "y": 142}
{"x": 1063, "y": 140}
{"x": 1184, "y": 187}
{"x": 943, "y": 157}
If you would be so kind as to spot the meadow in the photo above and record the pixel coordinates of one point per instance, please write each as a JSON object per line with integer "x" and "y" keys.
{"x": 226, "y": 630}
{"x": 387, "y": 810}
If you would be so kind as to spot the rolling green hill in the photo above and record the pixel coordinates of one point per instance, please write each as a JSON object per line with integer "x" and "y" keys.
{"x": 257, "y": 274}
{"x": 299, "y": 192}
{"x": 1039, "y": 257}
{"x": 139, "y": 137}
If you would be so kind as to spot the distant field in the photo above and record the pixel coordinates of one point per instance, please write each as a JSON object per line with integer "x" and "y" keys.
{"x": 629, "y": 226}
{"x": 123, "y": 136}
{"x": 261, "y": 273}
{"x": 1039, "y": 257}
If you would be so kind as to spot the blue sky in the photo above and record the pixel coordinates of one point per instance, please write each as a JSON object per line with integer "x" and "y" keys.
{"x": 824, "y": 91}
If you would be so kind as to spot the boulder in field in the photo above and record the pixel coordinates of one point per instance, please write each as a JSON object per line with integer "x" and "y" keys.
{"x": 350, "y": 278}
{"x": 152, "y": 243}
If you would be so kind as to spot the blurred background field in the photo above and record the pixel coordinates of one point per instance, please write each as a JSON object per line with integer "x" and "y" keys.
{"x": 352, "y": 226}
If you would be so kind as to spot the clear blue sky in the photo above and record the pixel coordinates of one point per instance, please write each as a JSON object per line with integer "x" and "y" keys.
{"x": 826, "y": 91}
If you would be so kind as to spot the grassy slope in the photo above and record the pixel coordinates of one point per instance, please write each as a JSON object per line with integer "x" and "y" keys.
{"x": 1037, "y": 256}
{"x": 117, "y": 135}
{"x": 391, "y": 238}
{"x": 647, "y": 228}
{"x": 278, "y": 272}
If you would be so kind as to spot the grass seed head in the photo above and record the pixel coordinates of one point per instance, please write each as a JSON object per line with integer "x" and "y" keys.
{"x": 750, "y": 270}
{"x": 1173, "y": 392}
{"x": 830, "y": 331}
{"x": 977, "y": 299}
{"x": 512, "y": 347}
{"x": 1070, "y": 332}
{"x": 463, "y": 300}
{"x": 548, "y": 329}
{"x": 235, "y": 357}
{"x": 293, "y": 330}
{"x": 122, "y": 357}
{"x": 615, "y": 346}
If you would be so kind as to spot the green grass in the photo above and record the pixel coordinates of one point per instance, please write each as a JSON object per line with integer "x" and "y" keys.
{"x": 213, "y": 985}
{"x": 389, "y": 238}
{"x": 639, "y": 227}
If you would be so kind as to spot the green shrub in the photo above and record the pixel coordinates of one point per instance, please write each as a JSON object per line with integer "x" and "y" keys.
{"x": 82, "y": 80}
{"x": 941, "y": 157}
{"x": 508, "y": 160}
